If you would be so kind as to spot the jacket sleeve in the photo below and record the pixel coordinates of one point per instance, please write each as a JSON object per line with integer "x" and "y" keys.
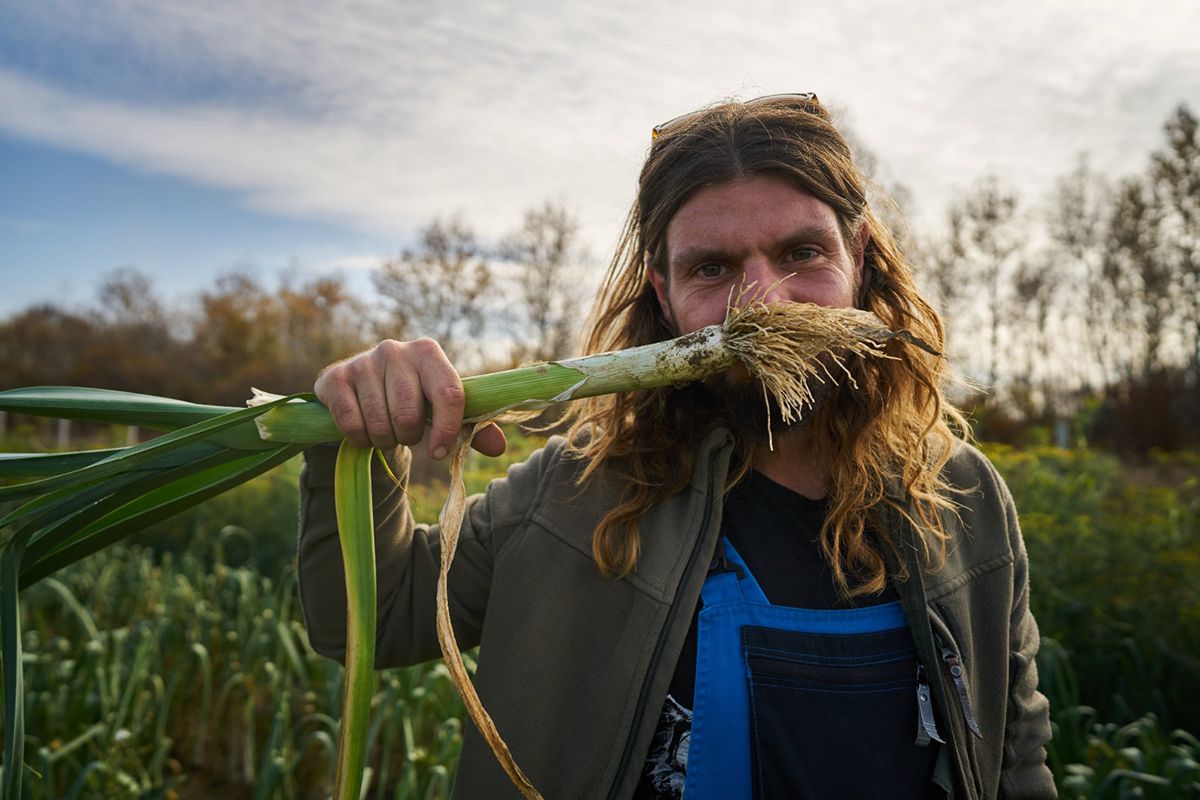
{"x": 1024, "y": 773}
{"x": 407, "y": 558}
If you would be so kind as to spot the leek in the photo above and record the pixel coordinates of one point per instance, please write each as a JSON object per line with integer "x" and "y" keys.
{"x": 79, "y": 503}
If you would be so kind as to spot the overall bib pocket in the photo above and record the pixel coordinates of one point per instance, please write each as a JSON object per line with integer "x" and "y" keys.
{"x": 803, "y": 703}
{"x": 859, "y": 687}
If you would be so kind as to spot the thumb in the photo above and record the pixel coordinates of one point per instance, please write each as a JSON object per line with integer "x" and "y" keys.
{"x": 490, "y": 441}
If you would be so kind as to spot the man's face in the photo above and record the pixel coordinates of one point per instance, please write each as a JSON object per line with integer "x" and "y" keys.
{"x": 753, "y": 232}
{"x": 756, "y": 231}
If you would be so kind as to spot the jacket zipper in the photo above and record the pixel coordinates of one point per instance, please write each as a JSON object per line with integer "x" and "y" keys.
{"x": 926, "y": 643}
{"x": 960, "y": 751}
{"x": 640, "y": 708}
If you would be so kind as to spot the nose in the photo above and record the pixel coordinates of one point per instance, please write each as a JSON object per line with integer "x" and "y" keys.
{"x": 763, "y": 281}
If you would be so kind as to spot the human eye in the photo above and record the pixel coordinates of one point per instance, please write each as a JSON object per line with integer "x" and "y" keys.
{"x": 802, "y": 254}
{"x": 710, "y": 269}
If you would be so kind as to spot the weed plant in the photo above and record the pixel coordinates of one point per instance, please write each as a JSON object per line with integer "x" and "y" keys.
{"x": 1114, "y": 556}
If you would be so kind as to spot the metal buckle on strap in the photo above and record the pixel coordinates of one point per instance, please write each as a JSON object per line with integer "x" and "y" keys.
{"x": 721, "y": 563}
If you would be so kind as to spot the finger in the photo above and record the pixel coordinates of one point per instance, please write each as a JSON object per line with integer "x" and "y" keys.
{"x": 405, "y": 402}
{"x": 373, "y": 404}
{"x": 490, "y": 441}
{"x": 443, "y": 388}
{"x": 338, "y": 395}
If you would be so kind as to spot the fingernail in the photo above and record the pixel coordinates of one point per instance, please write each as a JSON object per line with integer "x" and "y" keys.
{"x": 439, "y": 452}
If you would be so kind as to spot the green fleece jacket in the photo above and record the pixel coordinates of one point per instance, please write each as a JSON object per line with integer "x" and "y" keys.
{"x": 574, "y": 668}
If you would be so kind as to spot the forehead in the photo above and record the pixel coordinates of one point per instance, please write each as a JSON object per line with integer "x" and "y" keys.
{"x": 745, "y": 213}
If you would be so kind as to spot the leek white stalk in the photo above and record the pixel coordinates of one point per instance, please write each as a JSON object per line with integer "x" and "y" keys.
{"x": 786, "y": 346}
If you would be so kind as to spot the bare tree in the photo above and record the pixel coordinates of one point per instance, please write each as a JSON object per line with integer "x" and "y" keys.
{"x": 545, "y": 252}
{"x": 942, "y": 271}
{"x": 1075, "y": 221}
{"x": 1139, "y": 273}
{"x": 985, "y": 236}
{"x": 132, "y": 347}
{"x": 439, "y": 287}
{"x": 1035, "y": 286}
{"x": 127, "y": 297}
{"x": 1175, "y": 176}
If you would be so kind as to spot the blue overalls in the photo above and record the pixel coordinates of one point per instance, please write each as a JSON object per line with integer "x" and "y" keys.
{"x": 773, "y": 682}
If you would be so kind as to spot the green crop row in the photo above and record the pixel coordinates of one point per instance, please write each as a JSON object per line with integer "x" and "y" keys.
{"x": 1094, "y": 759}
{"x": 185, "y": 671}
{"x": 179, "y": 680}
{"x": 189, "y": 678}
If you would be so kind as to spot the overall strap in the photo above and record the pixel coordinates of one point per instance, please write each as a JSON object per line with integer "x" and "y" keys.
{"x": 729, "y": 579}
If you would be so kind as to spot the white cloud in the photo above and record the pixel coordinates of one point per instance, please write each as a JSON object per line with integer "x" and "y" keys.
{"x": 386, "y": 114}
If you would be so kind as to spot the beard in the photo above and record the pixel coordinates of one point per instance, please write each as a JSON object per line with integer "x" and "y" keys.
{"x": 755, "y": 416}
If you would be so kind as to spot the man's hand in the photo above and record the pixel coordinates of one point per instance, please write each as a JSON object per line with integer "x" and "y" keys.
{"x": 378, "y": 398}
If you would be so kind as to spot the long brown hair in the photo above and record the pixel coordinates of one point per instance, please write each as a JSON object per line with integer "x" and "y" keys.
{"x": 887, "y": 437}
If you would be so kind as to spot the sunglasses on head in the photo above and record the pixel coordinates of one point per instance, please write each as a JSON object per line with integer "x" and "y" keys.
{"x": 770, "y": 99}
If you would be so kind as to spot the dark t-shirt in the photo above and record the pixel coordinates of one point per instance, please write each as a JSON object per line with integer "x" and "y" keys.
{"x": 776, "y": 532}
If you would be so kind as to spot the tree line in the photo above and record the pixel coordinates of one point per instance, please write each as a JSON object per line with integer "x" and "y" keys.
{"x": 1087, "y": 303}
{"x": 490, "y": 305}
{"x": 1079, "y": 308}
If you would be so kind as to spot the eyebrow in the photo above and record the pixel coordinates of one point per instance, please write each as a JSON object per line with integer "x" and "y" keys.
{"x": 810, "y": 233}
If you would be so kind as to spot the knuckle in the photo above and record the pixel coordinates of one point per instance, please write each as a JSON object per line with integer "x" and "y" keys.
{"x": 373, "y": 408}
{"x": 426, "y": 347}
{"x": 380, "y": 430}
{"x": 355, "y": 370}
{"x": 390, "y": 344}
{"x": 448, "y": 433}
{"x": 389, "y": 349}
{"x": 453, "y": 394}
{"x": 332, "y": 376}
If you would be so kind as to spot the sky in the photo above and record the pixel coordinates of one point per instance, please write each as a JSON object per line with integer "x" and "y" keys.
{"x": 191, "y": 139}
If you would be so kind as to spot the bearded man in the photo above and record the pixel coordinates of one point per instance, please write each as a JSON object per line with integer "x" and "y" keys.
{"x": 668, "y": 602}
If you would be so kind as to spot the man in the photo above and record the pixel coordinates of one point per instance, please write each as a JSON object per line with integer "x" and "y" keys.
{"x": 666, "y": 603}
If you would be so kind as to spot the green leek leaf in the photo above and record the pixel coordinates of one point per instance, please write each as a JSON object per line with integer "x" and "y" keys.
{"x": 154, "y": 506}
{"x": 352, "y": 496}
{"x": 107, "y": 405}
{"x": 42, "y": 465}
{"x": 139, "y": 454}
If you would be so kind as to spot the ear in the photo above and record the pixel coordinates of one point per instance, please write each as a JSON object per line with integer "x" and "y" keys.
{"x": 658, "y": 281}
